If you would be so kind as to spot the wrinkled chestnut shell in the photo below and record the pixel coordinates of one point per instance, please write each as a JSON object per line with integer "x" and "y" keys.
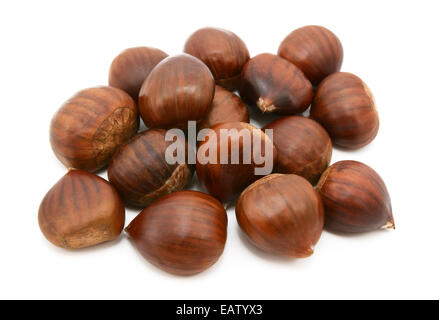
{"x": 226, "y": 107}
{"x": 281, "y": 214}
{"x": 179, "y": 89}
{"x": 345, "y": 106}
{"x": 131, "y": 67}
{"x": 90, "y": 126}
{"x": 303, "y": 145}
{"x": 222, "y": 51}
{"x": 182, "y": 233}
{"x": 226, "y": 181}
{"x": 355, "y": 198}
{"x": 315, "y": 50}
{"x": 140, "y": 172}
{"x": 275, "y": 85}
{"x": 81, "y": 210}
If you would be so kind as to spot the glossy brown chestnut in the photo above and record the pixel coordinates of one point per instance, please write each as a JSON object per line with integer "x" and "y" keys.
{"x": 179, "y": 89}
{"x": 281, "y": 214}
{"x": 81, "y": 210}
{"x": 140, "y": 172}
{"x": 355, "y": 198}
{"x": 91, "y": 125}
{"x": 315, "y": 50}
{"x": 225, "y": 178}
{"x": 226, "y": 107}
{"x": 304, "y": 147}
{"x": 345, "y": 106}
{"x": 131, "y": 67}
{"x": 275, "y": 85}
{"x": 222, "y": 51}
{"x": 182, "y": 233}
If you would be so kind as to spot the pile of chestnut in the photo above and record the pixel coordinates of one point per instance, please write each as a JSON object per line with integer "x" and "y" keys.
{"x": 184, "y": 231}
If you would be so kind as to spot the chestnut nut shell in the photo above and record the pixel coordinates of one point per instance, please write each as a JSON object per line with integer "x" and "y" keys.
{"x": 178, "y": 89}
{"x": 90, "y": 126}
{"x": 275, "y": 85}
{"x": 140, "y": 172}
{"x": 313, "y": 49}
{"x": 132, "y": 66}
{"x": 345, "y": 106}
{"x": 222, "y": 51}
{"x": 303, "y": 147}
{"x": 81, "y": 210}
{"x": 355, "y": 198}
{"x": 182, "y": 233}
{"x": 281, "y": 214}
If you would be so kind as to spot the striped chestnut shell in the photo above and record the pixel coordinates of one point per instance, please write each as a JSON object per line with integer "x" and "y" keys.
{"x": 90, "y": 126}
{"x": 281, "y": 214}
{"x": 140, "y": 171}
{"x": 345, "y": 106}
{"x": 275, "y": 85}
{"x": 182, "y": 233}
{"x": 355, "y": 198}
{"x": 81, "y": 210}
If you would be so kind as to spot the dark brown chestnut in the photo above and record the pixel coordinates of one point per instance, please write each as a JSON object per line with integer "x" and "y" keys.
{"x": 303, "y": 145}
{"x": 275, "y": 85}
{"x": 345, "y": 106}
{"x": 355, "y": 198}
{"x": 182, "y": 233}
{"x": 178, "y": 89}
{"x": 281, "y": 214}
{"x": 222, "y": 51}
{"x": 81, "y": 210}
{"x": 226, "y": 107}
{"x": 315, "y": 50}
{"x": 140, "y": 171}
{"x": 226, "y": 161}
{"x": 131, "y": 67}
{"x": 91, "y": 125}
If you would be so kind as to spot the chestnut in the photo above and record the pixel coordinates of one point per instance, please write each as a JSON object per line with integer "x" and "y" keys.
{"x": 91, "y": 125}
{"x": 131, "y": 67}
{"x": 178, "y": 89}
{"x": 222, "y": 51}
{"x": 140, "y": 171}
{"x": 345, "y": 106}
{"x": 355, "y": 198}
{"x": 315, "y": 50}
{"x": 275, "y": 85}
{"x": 303, "y": 147}
{"x": 81, "y": 210}
{"x": 226, "y": 107}
{"x": 226, "y": 161}
{"x": 182, "y": 233}
{"x": 281, "y": 214}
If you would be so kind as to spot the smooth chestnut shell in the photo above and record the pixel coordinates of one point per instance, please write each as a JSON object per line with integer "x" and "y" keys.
{"x": 132, "y": 66}
{"x": 275, "y": 85}
{"x": 182, "y": 233}
{"x": 281, "y": 214}
{"x": 140, "y": 172}
{"x": 315, "y": 50}
{"x": 226, "y": 107}
{"x": 90, "y": 126}
{"x": 81, "y": 210}
{"x": 178, "y": 89}
{"x": 345, "y": 106}
{"x": 303, "y": 147}
{"x": 222, "y": 51}
{"x": 225, "y": 179}
{"x": 355, "y": 198}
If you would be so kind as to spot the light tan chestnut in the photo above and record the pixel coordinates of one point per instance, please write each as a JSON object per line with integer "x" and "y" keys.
{"x": 81, "y": 210}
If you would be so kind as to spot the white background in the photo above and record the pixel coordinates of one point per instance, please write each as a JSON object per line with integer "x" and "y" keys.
{"x": 50, "y": 50}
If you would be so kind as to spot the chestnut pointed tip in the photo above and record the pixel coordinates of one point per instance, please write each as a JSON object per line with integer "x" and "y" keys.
{"x": 265, "y": 106}
{"x": 389, "y": 225}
